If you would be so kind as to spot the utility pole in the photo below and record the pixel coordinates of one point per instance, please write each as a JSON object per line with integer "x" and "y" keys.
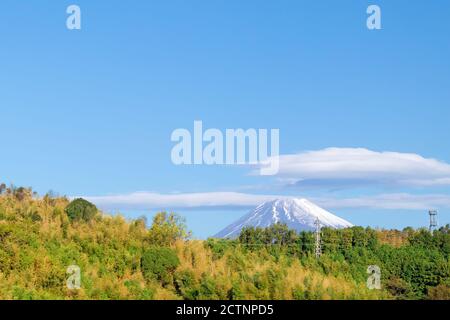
{"x": 433, "y": 220}
{"x": 318, "y": 247}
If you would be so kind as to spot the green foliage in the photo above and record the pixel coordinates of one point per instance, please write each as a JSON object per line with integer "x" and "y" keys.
{"x": 208, "y": 289}
{"x": 399, "y": 288}
{"x": 166, "y": 229}
{"x": 186, "y": 284}
{"x": 138, "y": 291}
{"x": 122, "y": 259}
{"x": 298, "y": 293}
{"x": 235, "y": 292}
{"x": 408, "y": 271}
{"x": 278, "y": 234}
{"x": 80, "y": 209}
{"x": 219, "y": 246}
{"x": 159, "y": 263}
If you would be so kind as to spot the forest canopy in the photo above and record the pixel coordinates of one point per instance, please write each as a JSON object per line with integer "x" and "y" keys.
{"x": 40, "y": 237}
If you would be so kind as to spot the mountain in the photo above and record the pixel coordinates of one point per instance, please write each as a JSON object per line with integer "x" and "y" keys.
{"x": 297, "y": 214}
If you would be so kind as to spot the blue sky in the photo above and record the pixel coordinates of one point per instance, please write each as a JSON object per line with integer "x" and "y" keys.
{"x": 90, "y": 112}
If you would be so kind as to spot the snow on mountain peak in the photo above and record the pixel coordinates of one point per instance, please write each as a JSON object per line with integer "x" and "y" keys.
{"x": 297, "y": 214}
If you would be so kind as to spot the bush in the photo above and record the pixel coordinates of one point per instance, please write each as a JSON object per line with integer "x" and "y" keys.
{"x": 186, "y": 284}
{"x": 80, "y": 209}
{"x": 166, "y": 229}
{"x": 159, "y": 263}
{"x": 209, "y": 290}
{"x": 298, "y": 293}
{"x": 218, "y": 247}
{"x": 139, "y": 292}
{"x": 398, "y": 287}
{"x": 440, "y": 292}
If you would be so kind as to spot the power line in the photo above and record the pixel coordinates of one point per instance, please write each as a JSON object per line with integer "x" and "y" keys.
{"x": 318, "y": 245}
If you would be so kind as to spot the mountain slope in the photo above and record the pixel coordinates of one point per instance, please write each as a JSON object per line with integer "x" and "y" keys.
{"x": 297, "y": 214}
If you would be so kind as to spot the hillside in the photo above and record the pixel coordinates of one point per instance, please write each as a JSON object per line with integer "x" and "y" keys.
{"x": 41, "y": 237}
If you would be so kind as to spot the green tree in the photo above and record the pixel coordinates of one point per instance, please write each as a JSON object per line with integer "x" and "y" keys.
{"x": 159, "y": 263}
{"x": 186, "y": 285}
{"x": 80, "y": 209}
{"x": 167, "y": 228}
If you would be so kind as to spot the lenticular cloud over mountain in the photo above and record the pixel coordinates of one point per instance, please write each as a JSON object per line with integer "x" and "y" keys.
{"x": 297, "y": 214}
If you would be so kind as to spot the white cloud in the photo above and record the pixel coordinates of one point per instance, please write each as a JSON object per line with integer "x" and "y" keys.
{"x": 331, "y": 167}
{"x": 358, "y": 166}
{"x": 150, "y": 200}
{"x": 234, "y": 200}
{"x": 390, "y": 201}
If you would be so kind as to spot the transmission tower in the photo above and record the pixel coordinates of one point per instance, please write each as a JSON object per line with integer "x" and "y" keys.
{"x": 318, "y": 247}
{"x": 433, "y": 220}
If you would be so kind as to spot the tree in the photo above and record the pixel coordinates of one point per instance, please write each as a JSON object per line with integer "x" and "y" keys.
{"x": 359, "y": 237}
{"x": 22, "y": 193}
{"x": 330, "y": 239}
{"x": 80, "y": 209}
{"x": 167, "y": 228}
{"x": 2, "y": 188}
{"x": 280, "y": 234}
{"x": 252, "y": 237}
{"x": 186, "y": 284}
{"x": 423, "y": 238}
{"x": 159, "y": 264}
{"x": 347, "y": 238}
{"x": 306, "y": 241}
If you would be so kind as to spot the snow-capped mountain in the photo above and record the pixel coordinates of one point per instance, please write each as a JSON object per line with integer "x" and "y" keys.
{"x": 297, "y": 214}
